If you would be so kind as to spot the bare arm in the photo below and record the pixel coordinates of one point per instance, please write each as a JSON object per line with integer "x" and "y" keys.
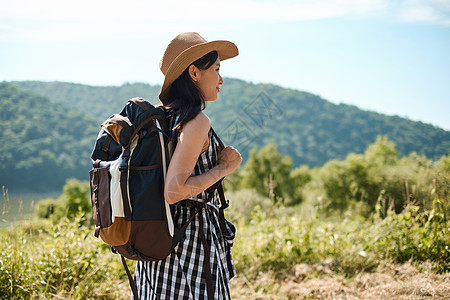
{"x": 179, "y": 183}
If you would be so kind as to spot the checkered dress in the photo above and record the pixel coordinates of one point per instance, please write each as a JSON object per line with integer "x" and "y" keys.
{"x": 181, "y": 275}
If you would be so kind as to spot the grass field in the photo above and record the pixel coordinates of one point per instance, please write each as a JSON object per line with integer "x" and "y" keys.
{"x": 280, "y": 253}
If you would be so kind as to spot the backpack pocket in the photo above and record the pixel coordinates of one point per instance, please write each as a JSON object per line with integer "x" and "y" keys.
{"x": 100, "y": 197}
{"x": 147, "y": 194}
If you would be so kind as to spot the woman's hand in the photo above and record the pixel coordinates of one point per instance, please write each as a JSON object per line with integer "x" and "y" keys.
{"x": 180, "y": 184}
{"x": 229, "y": 160}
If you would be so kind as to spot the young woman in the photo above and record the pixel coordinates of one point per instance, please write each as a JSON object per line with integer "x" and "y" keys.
{"x": 192, "y": 271}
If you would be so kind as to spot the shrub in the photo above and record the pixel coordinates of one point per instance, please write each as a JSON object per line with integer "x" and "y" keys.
{"x": 379, "y": 177}
{"x": 416, "y": 235}
{"x": 45, "y": 208}
{"x": 75, "y": 198}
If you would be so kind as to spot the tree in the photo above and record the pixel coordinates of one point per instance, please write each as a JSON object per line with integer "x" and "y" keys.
{"x": 298, "y": 178}
{"x": 267, "y": 171}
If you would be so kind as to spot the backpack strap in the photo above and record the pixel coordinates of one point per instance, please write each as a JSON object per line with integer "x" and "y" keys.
{"x": 130, "y": 278}
{"x": 219, "y": 182}
{"x": 221, "y": 144}
{"x": 145, "y": 122}
{"x": 105, "y": 148}
{"x": 223, "y": 205}
{"x": 123, "y": 168}
{"x": 144, "y": 105}
{"x": 223, "y": 202}
{"x": 207, "y": 263}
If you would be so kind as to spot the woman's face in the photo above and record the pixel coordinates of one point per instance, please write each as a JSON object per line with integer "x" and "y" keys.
{"x": 209, "y": 81}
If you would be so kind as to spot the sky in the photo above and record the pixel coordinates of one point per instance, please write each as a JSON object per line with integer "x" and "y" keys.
{"x": 391, "y": 57}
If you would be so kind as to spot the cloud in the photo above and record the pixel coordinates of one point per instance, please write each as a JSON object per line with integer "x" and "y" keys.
{"x": 431, "y": 11}
{"x": 210, "y": 10}
{"x": 87, "y": 19}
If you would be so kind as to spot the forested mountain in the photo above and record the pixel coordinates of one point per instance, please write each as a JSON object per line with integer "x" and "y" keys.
{"x": 308, "y": 128}
{"x": 42, "y": 143}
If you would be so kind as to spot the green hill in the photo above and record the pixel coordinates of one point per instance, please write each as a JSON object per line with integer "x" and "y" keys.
{"x": 308, "y": 128}
{"x": 42, "y": 142}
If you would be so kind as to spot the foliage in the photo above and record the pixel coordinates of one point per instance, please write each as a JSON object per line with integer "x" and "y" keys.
{"x": 74, "y": 199}
{"x": 98, "y": 101}
{"x": 270, "y": 174}
{"x": 42, "y": 142}
{"x": 277, "y": 239}
{"x": 58, "y": 257}
{"x": 369, "y": 207}
{"x": 379, "y": 177}
{"x": 61, "y": 260}
{"x": 267, "y": 171}
{"x": 298, "y": 178}
{"x": 45, "y": 208}
{"x": 304, "y": 126}
{"x": 416, "y": 235}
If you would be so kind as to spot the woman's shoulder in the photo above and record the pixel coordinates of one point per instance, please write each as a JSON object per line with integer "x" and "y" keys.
{"x": 200, "y": 123}
{"x": 197, "y": 129}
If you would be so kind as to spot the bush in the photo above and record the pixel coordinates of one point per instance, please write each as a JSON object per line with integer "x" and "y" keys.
{"x": 415, "y": 235}
{"x": 378, "y": 178}
{"x": 74, "y": 199}
{"x": 45, "y": 208}
{"x": 277, "y": 239}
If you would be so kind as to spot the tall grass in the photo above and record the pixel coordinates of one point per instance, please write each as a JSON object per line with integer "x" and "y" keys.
{"x": 62, "y": 260}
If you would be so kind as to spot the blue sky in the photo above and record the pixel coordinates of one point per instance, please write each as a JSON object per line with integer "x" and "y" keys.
{"x": 391, "y": 57}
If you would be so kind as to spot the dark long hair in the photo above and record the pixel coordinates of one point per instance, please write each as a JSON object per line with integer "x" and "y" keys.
{"x": 185, "y": 98}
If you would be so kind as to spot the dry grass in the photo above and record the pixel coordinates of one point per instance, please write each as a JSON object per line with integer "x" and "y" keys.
{"x": 317, "y": 281}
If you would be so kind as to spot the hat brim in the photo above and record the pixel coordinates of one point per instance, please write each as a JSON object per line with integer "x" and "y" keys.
{"x": 225, "y": 50}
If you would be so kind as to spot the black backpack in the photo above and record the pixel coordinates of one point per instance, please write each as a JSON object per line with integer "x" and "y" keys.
{"x": 130, "y": 160}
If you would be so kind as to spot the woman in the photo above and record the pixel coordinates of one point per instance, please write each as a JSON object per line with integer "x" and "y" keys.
{"x": 191, "y": 68}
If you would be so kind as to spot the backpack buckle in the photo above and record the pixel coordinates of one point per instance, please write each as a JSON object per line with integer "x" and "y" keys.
{"x": 113, "y": 250}
{"x": 123, "y": 164}
{"x": 225, "y": 205}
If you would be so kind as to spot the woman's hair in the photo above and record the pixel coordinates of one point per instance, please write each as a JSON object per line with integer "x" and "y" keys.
{"x": 185, "y": 98}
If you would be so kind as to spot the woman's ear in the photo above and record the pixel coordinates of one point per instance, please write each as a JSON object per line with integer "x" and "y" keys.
{"x": 194, "y": 73}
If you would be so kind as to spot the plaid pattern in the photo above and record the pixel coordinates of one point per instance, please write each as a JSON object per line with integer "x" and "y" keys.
{"x": 181, "y": 274}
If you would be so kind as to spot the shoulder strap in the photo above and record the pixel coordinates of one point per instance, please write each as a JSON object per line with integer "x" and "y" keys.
{"x": 223, "y": 202}
{"x": 221, "y": 144}
{"x": 105, "y": 148}
{"x": 130, "y": 279}
{"x": 218, "y": 185}
{"x": 144, "y": 105}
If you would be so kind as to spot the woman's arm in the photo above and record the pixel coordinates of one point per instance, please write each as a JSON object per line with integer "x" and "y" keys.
{"x": 179, "y": 183}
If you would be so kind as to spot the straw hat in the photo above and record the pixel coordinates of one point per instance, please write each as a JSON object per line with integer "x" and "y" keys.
{"x": 186, "y": 48}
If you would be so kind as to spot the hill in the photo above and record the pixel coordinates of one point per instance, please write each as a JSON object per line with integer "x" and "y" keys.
{"x": 304, "y": 126}
{"x": 42, "y": 142}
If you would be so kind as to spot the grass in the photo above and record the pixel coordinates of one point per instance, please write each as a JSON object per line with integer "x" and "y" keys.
{"x": 280, "y": 253}
{"x": 18, "y": 206}
{"x": 62, "y": 260}
{"x": 317, "y": 281}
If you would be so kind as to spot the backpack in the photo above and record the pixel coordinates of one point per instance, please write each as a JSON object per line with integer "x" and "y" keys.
{"x": 130, "y": 159}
